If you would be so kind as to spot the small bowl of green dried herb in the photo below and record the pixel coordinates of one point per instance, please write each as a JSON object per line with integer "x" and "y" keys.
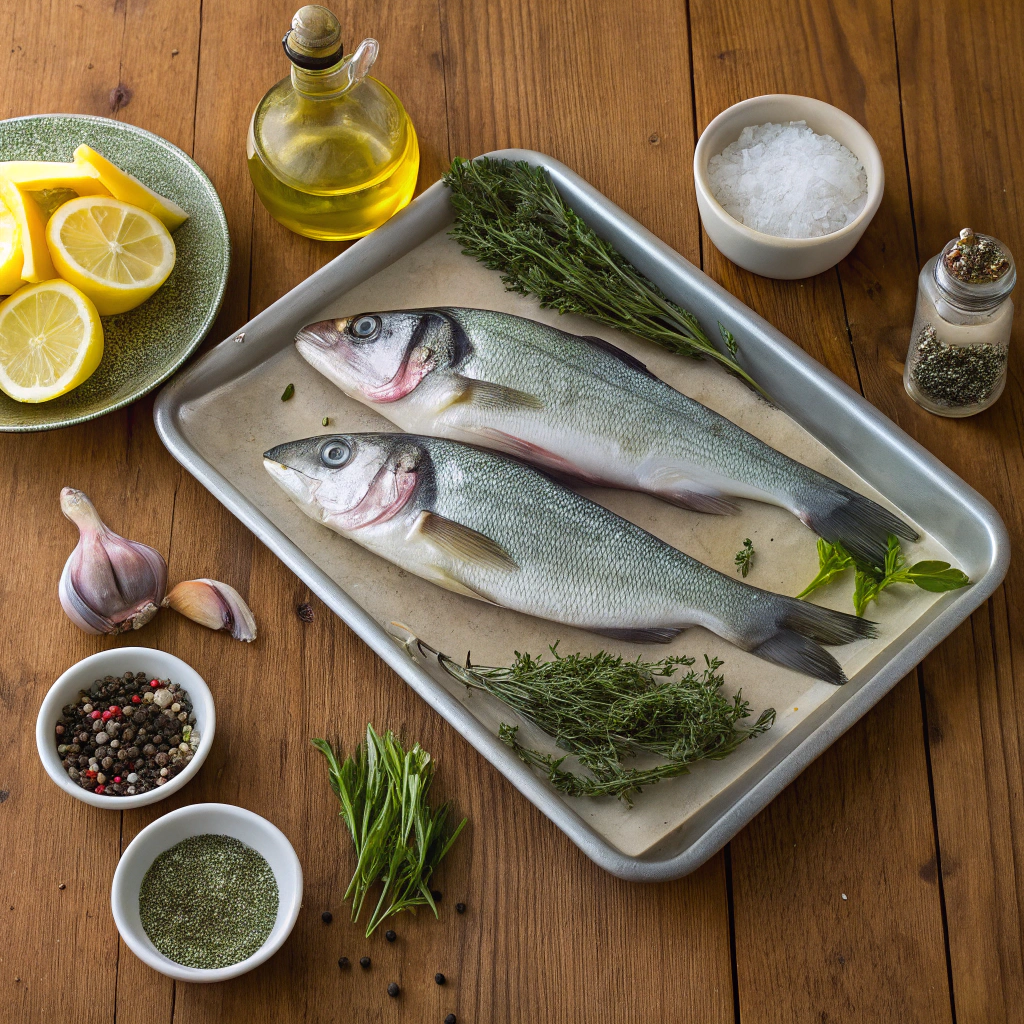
{"x": 125, "y": 728}
{"x": 207, "y": 892}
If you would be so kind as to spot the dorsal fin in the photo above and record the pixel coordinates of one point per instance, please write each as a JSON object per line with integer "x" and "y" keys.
{"x": 618, "y": 353}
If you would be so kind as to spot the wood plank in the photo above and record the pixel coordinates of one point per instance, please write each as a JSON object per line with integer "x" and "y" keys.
{"x": 961, "y": 81}
{"x": 118, "y": 461}
{"x": 801, "y": 949}
{"x": 563, "y": 78}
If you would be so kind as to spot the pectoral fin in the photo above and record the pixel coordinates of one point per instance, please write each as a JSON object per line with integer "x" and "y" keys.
{"x": 485, "y": 395}
{"x": 462, "y": 542}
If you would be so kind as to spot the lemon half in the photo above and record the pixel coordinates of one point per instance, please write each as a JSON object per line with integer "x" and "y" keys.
{"x": 51, "y": 340}
{"x": 117, "y": 254}
{"x": 124, "y": 186}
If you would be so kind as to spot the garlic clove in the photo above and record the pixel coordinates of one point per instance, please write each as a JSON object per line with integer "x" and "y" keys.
{"x": 109, "y": 584}
{"x": 215, "y": 605}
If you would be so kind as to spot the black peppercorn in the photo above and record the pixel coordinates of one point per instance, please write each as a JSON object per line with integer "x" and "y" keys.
{"x": 393, "y": 990}
{"x": 364, "y": 962}
{"x": 460, "y": 907}
{"x": 326, "y": 917}
{"x": 436, "y": 894}
{"x": 450, "y": 1019}
{"x": 440, "y": 978}
{"x": 390, "y": 935}
{"x": 343, "y": 962}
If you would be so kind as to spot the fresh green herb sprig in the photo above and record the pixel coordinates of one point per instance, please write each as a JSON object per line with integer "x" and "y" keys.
{"x": 510, "y": 217}
{"x": 932, "y": 575}
{"x": 604, "y": 710}
{"x": 745, "y": 558}
{"x": 399, "y": 838}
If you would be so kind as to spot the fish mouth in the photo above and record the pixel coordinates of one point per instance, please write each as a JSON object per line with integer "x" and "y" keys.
{"x": 323, "y": 334}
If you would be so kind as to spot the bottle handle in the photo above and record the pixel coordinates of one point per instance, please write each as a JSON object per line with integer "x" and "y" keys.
{"x": 359, "y": 64}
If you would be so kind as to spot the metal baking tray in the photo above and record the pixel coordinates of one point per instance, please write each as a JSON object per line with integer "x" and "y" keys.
{"x": 217, "y": 418}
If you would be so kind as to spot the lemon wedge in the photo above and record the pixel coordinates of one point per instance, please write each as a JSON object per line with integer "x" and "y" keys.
{"x": 130, "y": 190}
{"x": 39, "y": 175}
{"x": 116, "y": 253}
{"x": 31, "y": 229}
{"x": 51, "y": 340}
{"x": 11, "y": 258}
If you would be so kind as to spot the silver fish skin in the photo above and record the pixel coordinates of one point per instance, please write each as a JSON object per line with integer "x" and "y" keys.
{"x": 493, "y": 528}
{"x": 580, "y": 407}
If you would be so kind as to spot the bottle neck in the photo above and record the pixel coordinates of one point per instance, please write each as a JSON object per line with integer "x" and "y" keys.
{"x": 327, "y": 84}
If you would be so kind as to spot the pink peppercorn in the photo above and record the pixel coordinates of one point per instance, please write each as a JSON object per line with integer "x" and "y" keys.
{"x": 114, "y": 709}
{"x": 107, "y": 716}
{"x": 117, "y": 778}
{"x": 96, "y": 714}
{"x": 136, "y": 699}
{"x": 154, "y": 683}
{"x": 99, "y": 789}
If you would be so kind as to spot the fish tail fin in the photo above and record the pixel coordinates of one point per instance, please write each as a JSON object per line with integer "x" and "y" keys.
{"x": 790, "y": 633}
{"x": 861, "y": 525}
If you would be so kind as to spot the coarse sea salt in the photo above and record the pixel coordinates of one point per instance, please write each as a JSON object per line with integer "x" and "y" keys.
{"x": 784, "y": 180}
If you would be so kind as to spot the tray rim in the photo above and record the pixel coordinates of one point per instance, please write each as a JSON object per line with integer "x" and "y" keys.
{"x": 648, "y": 866}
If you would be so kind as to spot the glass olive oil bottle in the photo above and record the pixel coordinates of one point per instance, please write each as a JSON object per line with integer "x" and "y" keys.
{"x": 332, "y": 152}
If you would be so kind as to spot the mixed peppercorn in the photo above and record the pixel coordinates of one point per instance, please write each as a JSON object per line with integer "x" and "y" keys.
{"x": 127, "y": 735}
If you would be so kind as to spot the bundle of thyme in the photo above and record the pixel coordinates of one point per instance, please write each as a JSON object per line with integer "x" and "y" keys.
{"x": 604, "y": 710}
{"x": 510, "y": 217}
{"x": 869, "y": 581}
{"x": 399, "y": 838}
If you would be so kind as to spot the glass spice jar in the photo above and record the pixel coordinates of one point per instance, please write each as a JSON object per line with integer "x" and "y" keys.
{"x": 959, "y": 344}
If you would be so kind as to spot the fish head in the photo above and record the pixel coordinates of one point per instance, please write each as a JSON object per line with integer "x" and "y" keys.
{"x": 349, "y": 481}
{"x": 382, "y": 357}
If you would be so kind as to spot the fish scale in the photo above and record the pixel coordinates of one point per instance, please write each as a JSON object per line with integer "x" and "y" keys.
{"x": 578, "y": 406}
{"x": 446, "y": 510}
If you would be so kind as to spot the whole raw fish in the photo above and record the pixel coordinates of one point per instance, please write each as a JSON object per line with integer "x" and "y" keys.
{"x": 490, "y": 527}
{"x": 578, "y": 406}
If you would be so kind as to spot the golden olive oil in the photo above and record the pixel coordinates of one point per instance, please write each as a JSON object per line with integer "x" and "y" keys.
{"x": 332, "y": 152}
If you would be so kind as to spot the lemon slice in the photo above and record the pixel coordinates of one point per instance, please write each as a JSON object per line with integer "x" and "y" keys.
{"x": 130, "y": 190}
{"x": 38, "y": 175}
{"x": 11, "y": 257}
{"x": 31, "y": 229}
{"x": 117, "y": 254}
{"x": 51, "y": 340}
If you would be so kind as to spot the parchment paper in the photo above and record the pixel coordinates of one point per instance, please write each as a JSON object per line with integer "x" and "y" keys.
{"x": 233, "y": 426}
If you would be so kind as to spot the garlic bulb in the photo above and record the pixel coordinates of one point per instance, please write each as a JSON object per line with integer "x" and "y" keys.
{"x": 109, "y": 584}
{"x": 215, "y": 605}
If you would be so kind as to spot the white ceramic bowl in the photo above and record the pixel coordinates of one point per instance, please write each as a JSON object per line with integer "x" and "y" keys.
{"x": 768, "y": 255}
{"x": 195, "y": 820}
{"x": 117, "y": 661}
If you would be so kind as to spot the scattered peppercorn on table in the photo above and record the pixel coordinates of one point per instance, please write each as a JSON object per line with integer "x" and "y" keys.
{"x": 880, "y": 886}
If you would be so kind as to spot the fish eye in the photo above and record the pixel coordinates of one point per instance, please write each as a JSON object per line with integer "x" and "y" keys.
{"x": 366, "y": 328}
{"x": 335, "y": 453}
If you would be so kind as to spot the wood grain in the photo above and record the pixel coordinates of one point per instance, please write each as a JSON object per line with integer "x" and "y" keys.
{"x": 608, "y": 89}
{"x": 963, "y": 132}
{"x": 802, "y": 951}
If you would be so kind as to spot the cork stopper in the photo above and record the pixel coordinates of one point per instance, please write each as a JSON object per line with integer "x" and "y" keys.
{"x": 314, "y": 40}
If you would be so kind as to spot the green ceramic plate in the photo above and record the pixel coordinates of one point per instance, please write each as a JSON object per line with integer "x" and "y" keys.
{"x": 143, "y": 347}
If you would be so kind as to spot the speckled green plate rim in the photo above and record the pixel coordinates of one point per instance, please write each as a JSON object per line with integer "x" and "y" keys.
{"x": 198, "y": 334}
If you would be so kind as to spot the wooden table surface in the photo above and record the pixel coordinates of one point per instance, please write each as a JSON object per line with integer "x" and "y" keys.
{"x": 916, "y": 815}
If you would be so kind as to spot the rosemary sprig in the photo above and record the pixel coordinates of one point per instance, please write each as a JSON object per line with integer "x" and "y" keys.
{"x": 604, "y": 710}
{"x": 744, "y": 558}
{"x": 399, "y": 838}
{"x": 510, "y": 217}
{"x": 869, "y": 582}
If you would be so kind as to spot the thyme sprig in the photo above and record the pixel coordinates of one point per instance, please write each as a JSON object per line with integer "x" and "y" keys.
{"x": 399, "y": 838}
{"x": 510, "y": 217}
{"x": 869, "y": 582}
{"x": 604, "y": 710}
{"x": 744, "y": 558}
